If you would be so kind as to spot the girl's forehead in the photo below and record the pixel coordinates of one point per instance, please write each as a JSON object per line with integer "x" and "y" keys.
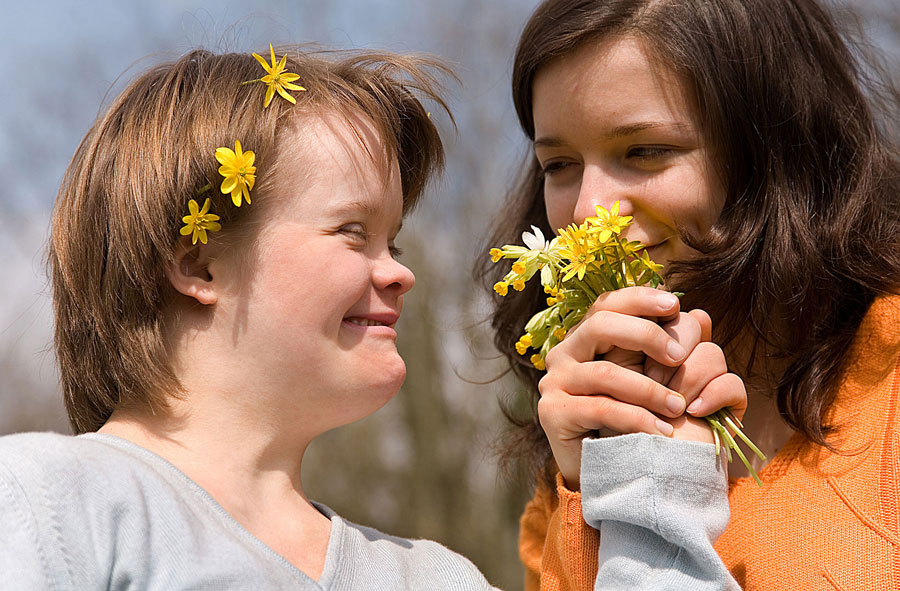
{"x": 330, "y": 165}
{"x": 321, "y": 145}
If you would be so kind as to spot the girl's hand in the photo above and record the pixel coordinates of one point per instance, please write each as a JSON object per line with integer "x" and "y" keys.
{"x": 581, "y": 395}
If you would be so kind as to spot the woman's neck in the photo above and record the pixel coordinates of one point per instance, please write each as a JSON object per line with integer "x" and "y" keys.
{"x": 765, "y": 428}
{"x": 763, "y": 423}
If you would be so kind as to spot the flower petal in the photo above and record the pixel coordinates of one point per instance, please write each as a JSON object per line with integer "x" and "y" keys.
{"x": 285, "y": 95}
{"x": 228, "y": 184}
{"x": 224, "y": 155}
{"x": 270, "y": 92}
{"x": 262, "y": 62}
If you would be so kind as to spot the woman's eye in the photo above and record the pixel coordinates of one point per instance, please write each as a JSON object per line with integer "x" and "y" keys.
{"x": 648, "y": 152}
{"x": 554, "y": 167}
{"x": 395, "y": 251}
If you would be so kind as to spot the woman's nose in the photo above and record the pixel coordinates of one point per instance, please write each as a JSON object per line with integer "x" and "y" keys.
{"x": 598, "y": 187}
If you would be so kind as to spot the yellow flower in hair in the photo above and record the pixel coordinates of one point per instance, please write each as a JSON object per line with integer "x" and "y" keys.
{"x": 199, "y": 221}
{"x": 277, "y": 79}
{"x": 238, "y": 170}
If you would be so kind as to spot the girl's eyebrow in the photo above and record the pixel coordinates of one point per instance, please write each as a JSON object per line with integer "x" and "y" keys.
{"x": 356, "y": 206}
{"x": 617, "y": 132}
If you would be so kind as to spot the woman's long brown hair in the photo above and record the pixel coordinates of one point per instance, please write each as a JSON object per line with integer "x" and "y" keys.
{"x": 810, "y": 229}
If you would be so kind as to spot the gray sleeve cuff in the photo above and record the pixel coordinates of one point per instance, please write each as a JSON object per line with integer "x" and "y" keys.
{"x": 659, "y": 504}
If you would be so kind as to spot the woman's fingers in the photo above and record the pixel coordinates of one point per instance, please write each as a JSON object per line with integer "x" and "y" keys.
{"x": 726, "y": 390}
{"x": 637, "y": 301}
{"x": 599, "y": 333}
{"x": 567, "y": 419}
{"x": 705, "y": 323}
{"x": 705, "y": 363}
{"x": 688, "y": 331}
{"x": 606, "y": 378}
{"x": 571, "y": 417}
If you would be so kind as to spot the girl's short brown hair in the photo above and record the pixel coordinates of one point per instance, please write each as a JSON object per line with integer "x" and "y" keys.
{"x": 118, "y": 213}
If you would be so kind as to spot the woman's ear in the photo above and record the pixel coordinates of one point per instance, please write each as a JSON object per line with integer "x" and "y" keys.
{"x": 189, "y": 273}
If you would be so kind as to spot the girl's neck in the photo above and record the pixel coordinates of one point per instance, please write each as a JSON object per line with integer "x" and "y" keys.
{"x": 252, "y": 474}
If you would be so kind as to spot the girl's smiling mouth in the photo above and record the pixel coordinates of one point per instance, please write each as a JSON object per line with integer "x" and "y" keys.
{"x": 373, "y": 322}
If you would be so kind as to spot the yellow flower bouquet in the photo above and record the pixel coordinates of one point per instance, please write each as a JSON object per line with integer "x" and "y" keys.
{"x": 575, "y": 267}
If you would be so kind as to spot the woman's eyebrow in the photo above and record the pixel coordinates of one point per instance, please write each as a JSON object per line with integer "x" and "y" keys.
{"x": 633, "y": 128}
{"x": 618, "y": 132}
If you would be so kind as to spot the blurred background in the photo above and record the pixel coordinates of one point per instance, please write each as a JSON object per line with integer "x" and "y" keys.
{"x": 425, "y": 465}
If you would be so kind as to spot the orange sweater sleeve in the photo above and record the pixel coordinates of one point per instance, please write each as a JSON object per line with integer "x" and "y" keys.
{"x": 558, "y": 549}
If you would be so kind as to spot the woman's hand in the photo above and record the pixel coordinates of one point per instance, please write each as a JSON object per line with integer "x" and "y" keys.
{"x": 581, "y": 394}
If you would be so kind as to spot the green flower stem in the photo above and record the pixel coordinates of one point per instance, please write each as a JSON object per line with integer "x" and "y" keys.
{"x": 744, "y": 438}
{"x": 623, "y": 256}
{"x": 720, "y": 433}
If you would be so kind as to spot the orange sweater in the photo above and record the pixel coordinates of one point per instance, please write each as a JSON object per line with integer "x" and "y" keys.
{"x": 820, "y": 521}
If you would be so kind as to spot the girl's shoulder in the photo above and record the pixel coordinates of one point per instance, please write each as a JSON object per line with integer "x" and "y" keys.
{"x": 48, "y": 458}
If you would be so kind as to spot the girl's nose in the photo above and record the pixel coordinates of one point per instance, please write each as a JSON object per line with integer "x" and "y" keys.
{"x": 392, "y": 275}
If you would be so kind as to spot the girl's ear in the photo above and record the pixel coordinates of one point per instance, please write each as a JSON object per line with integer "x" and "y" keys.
{"x": 190, "y": 273}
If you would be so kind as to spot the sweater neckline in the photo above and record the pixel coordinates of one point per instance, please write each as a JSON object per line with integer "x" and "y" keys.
{"x": 335, "y": 538}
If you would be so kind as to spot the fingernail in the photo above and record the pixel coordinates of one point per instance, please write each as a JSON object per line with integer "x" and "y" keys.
{"x": 675, "y": 351}
{"x": 695, "y": 405}
{"x": 675, "y": 404}
{"x": 665, "y": 428}
{"x": 666, "y": 300}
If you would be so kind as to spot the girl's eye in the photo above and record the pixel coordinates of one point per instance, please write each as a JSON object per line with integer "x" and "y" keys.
{"x": 395, "y": 251}
{"x": 356, "y": 231}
